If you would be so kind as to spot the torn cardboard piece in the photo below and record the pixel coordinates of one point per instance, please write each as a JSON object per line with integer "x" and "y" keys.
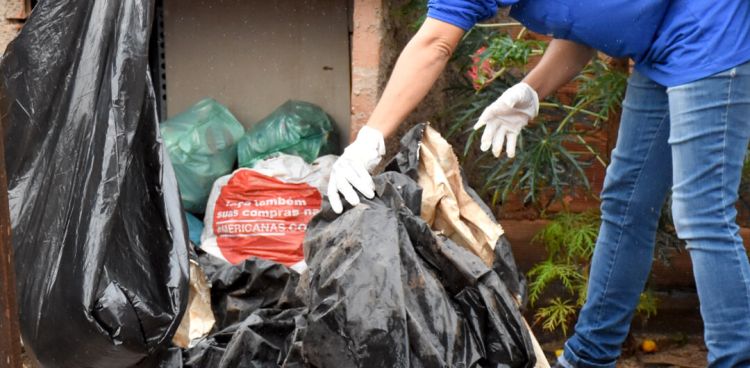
{"x": 446, "y": 206}
{"x": 199, "y": 319}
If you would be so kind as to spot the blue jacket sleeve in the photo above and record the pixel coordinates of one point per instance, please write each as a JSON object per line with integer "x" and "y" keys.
{"x": 464, "y": 13}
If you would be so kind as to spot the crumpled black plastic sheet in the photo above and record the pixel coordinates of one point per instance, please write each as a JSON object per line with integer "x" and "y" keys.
{"x": 386, "y": 291}
{"x": 266, "y": 338}
{"x": 239, "y": 290}
{"x": 260, "y": 313}
{"x": 98, "y": 233}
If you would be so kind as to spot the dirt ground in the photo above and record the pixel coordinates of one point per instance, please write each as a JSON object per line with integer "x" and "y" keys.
{"x": 673, "y": 351}
{"x": 679, "y": 351}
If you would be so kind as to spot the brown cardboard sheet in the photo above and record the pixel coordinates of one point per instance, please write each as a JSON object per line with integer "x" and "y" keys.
{"x": 198, "y": 319}
{"x": 446, "y": 205}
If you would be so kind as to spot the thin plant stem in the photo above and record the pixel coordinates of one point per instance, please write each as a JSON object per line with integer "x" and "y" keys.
{"x": 570, "y": 115}
{"x": 521, "y": 33}
{"x": 588, "y": 147}
{"x": 571, "y": 108}
{"x": 497, "y": 25}
{"x": 492, "y": 79}
{"x": 498, "y": 74}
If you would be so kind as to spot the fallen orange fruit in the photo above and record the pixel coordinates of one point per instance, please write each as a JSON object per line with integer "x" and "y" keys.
{"x": 648, "y": 346}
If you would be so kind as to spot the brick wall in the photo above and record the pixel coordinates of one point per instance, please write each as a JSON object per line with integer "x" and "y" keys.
{"x": 367, "y": 48}
{"x": 12, "y": 15}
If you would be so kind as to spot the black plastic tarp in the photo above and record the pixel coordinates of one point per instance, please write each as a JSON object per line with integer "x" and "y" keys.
{"x": 98, "y": 233}
{"x": 383, "y": 290}
{"x": 386, "y": 291}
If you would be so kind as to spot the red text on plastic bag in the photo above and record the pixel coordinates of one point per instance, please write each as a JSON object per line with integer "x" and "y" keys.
{"x": 257, "y": 215}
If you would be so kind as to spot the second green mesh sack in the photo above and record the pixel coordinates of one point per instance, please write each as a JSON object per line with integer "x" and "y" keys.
{"x": 296, "y": 128}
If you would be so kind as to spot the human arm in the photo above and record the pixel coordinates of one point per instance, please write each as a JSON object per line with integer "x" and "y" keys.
{"x": 504, "y": 118}
{"x": 418, "y": 67}
{"x": 562, "y": 61}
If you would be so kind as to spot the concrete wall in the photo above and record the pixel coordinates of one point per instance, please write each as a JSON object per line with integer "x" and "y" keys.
{"x": 254, "y": 55}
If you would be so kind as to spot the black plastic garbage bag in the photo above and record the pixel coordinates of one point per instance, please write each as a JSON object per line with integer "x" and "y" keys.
{"x": 98, "y": 232}
{"x": 407, "y": 162}
{"x": 260, "y": 316}
{"x": 266, "y": 338}
{"x": 239, "y": 290}
{"x": 386, "y": 291}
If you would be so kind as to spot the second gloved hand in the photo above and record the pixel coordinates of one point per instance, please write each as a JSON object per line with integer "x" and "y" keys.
{"x": 504, "y": 118}
{"x": 352, "y": 170}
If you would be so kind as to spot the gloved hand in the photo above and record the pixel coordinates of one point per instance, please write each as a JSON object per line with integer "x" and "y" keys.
{"x": 352, "y": 169}
{"x": 505, "y": 118}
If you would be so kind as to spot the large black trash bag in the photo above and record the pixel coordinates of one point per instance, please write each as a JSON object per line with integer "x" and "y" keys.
{"x": 99, "y": 237}
{"x": 406, "y": 161}
{"x": 239, "y": 290}
{"x": 386, "y": 291}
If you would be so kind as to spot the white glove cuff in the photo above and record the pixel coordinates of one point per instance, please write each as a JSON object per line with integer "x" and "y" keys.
{"x": 372, "y": 138}
{"x": 530, "y": 96}
{"x": 368, "y": 149}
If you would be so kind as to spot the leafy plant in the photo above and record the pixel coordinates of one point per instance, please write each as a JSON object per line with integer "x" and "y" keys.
{"x": 553, "y": 152}
{"x": 602, "y": 87}
{"x": 556, "y": 315}
{"x": 502, "y": 53}
{"x": 414, "y": 12}
{"x": 743, "y": 202}
{"x": 571, "y": 235}
{"x": 569, "y": 240}
{"x": 508, "y": 52}
{"x": 647, "y": 304}
{"x": 544, "y": 165}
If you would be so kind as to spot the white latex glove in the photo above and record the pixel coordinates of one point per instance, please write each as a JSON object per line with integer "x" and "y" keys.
{"x": 504, "y": 118}
{"x": 352, "y": 170}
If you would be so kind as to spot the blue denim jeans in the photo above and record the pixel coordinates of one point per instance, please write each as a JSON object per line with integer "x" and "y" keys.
{"x": 692, "y": 138}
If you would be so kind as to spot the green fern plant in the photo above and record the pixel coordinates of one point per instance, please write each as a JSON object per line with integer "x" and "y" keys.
{"x": 647, "y": 304}
{"x": 411, "y": 13}
{"x": 557, "y": 314}
{"x": 569, "y": 240}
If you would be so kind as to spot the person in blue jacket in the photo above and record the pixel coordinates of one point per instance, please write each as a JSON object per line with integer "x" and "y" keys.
{"x": 685, "y": 126}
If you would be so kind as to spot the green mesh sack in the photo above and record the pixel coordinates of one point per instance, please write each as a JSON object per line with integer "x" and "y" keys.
{"x": 295, "y": 128}
{"x": 202, "y": 144}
